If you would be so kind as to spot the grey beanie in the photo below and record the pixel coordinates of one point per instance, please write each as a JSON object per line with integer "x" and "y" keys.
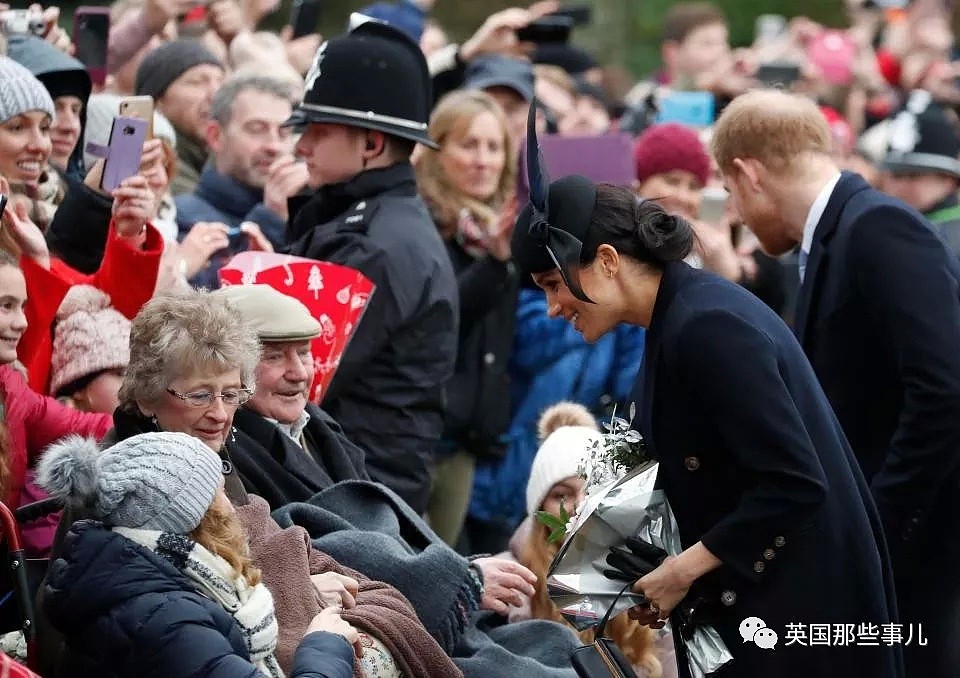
{"x": 21, "y": 91}
{"x": 153, "y": 481}
{"x": 168, "y": 62}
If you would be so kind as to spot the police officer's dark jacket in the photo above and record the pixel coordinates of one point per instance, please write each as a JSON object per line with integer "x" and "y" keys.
{"x": 388, "y": 393}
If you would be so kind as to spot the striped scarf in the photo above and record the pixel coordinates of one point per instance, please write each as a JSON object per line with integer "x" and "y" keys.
{"x": 213, "y": 577}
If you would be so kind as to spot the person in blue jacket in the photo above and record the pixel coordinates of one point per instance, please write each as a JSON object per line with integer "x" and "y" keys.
{"x": 164, "y": 585}
{"x": 551, "y": 362}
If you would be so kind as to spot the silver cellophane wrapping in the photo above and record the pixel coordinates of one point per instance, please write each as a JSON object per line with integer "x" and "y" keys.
{"x": 626, "y": 507}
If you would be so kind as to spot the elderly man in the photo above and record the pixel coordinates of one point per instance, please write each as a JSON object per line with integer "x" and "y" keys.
{"x": 287, "y": 449}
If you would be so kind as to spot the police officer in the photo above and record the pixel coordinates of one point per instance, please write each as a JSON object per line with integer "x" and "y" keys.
{"x": 922, "y": 164}
{"x": 365, "y": 108}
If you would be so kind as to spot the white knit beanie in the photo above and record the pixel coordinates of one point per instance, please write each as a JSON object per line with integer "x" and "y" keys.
{"x": 568, "y": 430}
{"x": 90, "y": 336}
{"x": 21, "y": 92}
{"x": 153, "y": 481}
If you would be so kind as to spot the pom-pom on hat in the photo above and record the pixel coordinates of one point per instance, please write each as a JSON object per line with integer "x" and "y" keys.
{"x": 153, "y": 481}
{"x": 567, "y": 430}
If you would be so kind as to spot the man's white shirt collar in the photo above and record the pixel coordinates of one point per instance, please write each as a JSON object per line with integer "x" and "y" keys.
{"x": 817, "y": 209}
{"x": 293, "y": 430}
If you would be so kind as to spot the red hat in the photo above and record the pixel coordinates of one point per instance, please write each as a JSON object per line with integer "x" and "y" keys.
{"x": 840, "y": 129}
{"x": 669, "y": 147}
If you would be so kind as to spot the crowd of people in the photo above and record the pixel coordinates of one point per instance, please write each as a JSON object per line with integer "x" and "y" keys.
{"x": 772, "y": 286}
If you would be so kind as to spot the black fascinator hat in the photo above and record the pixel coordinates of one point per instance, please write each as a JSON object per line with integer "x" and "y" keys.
{"x": 553, "y": 226}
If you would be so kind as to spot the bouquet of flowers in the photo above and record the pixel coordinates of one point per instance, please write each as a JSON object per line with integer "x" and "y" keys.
{"x": 625, "y": 525}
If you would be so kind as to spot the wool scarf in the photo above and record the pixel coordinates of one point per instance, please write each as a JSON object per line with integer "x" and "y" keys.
{"x": 215, "y": 578}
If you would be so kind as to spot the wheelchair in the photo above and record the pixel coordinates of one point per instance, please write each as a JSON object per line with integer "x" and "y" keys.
{"x": 18, "y": 589}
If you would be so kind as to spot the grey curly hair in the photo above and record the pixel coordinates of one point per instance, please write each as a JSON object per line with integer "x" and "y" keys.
{"x": 182, "y": 334}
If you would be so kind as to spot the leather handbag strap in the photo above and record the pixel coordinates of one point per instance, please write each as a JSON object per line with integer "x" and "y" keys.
{"x": 598, "y": 632}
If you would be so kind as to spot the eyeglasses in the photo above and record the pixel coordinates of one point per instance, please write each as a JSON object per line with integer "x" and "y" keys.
{"x": 205, "y": 399}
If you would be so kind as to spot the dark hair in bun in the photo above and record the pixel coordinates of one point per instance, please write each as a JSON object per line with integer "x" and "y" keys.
{"x": 639, "y": 229}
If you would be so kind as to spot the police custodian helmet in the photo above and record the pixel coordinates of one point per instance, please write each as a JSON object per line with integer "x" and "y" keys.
{"x": 374, "y": 77}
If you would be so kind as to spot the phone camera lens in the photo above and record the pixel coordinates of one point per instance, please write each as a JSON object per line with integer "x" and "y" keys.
{"x": 128, "y": 131}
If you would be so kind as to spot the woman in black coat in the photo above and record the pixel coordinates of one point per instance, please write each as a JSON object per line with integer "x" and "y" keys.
{"x": 775, "y": 518}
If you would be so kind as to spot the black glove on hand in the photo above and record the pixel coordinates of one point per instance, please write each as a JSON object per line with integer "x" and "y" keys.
{"x": 641, "y": 559}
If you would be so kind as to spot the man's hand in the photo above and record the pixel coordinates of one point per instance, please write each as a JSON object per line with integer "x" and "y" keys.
{"x": 133, "y": 206}
{"x": 255, "y": 10}
{"x": 300, "y": 51}
{"x": 505, "y": 583}
{"x": 285, "y": 178}
{"x": 157, "y": 13}
{"x": 256, "y": 240}
{"x": 336, "y": 590}
{"x": 203, "y": 241}
{"x": 226, "y": 19}
{"x": 52, "y": 32}
{"x": 498, "y": 34}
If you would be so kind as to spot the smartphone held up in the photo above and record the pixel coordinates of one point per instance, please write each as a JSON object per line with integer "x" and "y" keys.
{"x": 91, "y": 35}
{"x": 122, "y": 154}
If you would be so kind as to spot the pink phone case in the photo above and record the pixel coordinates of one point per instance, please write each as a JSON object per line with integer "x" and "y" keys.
{"x": 124, "y": 151}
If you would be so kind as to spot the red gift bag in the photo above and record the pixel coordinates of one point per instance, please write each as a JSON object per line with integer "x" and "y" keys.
{"x": 335, "y": 295}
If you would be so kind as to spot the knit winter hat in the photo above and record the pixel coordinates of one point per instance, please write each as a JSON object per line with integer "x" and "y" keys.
{"x": 567, "y": 431}
{"x": 153, "y": 481}
{"x": 90, "y": 336}
{"x": 668, "y": 147}
{"x": 21, "y": 91}
{"x": 161, "y": 67}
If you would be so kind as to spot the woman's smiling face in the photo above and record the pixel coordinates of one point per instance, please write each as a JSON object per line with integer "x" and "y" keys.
{"x": 591, "y": 320}
{"x": 25, "y": 146}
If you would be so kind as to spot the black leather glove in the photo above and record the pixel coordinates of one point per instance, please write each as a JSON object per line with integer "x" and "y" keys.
{"x": 639, "y": 559}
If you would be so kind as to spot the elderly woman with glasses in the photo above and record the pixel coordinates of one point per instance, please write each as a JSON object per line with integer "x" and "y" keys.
{"x": 191, "y": 367}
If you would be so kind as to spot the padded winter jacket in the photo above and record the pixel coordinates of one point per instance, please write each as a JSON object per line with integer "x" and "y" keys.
{"x": 132, "y": 613}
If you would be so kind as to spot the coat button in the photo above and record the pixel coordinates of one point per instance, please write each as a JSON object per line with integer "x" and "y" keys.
{"x": 728, "y": 597}
{"x": 489, "y": 359}
{"x": 769, "y": 554}
{"x": 779, "y": 542}
{"x": 692, "y": 463}
{"x": 759, "y": 567}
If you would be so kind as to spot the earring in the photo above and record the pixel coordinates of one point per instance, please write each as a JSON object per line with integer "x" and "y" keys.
{"x": 154, "y": 422}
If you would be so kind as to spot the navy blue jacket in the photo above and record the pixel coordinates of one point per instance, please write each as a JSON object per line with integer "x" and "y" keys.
{"x": 879, "y": 318}
{"x": 223, "y": 199}
{"x": 390, "y": 388}
{"x": 755, "y": 465}
{"x": 132, "y": 613}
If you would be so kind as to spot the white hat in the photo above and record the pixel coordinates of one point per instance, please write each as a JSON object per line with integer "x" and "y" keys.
{"x": 562, "y": 451}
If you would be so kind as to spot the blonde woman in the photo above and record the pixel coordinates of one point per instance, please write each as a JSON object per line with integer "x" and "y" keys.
{"x": 164, "y": 585}
{"x": 566, "y": 430}
{"x": 468, "y": 184}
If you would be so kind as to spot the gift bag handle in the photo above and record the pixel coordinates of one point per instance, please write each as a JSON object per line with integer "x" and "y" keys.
{"x": 598, "y": 631}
